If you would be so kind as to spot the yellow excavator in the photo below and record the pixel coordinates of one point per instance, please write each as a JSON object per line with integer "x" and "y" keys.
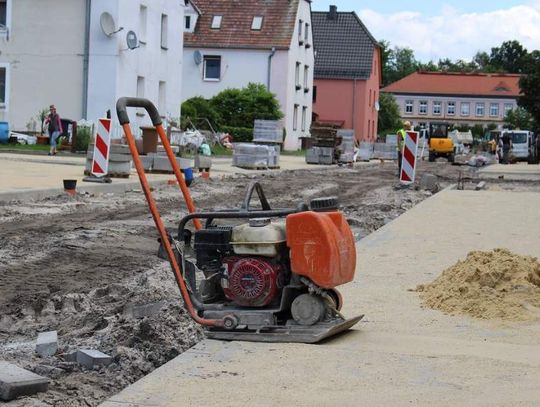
{"x": 440, "y": 145}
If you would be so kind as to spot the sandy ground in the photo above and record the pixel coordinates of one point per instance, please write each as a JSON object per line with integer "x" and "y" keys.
{"x": 81, "y": 265}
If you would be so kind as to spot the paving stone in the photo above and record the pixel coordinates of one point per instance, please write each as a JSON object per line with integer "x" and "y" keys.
{"x": 429, "y": 182}
{"x": 47, "y": 343}
{"x": 145, "y": 310}
{"x": 16, "y": 382}
{"x": 91, "y": 357}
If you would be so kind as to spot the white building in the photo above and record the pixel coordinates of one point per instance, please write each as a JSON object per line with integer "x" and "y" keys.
{"x": 228, "y": 45}
{"x": 57, "y": 52}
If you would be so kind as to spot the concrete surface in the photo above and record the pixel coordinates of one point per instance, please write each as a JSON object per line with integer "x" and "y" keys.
{"x": 25, "y": 176}
{"x": 514, "y": 172}
{"x": 401, "y": 354}
{"x": 47, "y": 343}
{"x": 16, "y": 382}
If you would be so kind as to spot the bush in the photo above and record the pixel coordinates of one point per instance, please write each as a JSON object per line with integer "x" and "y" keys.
{"x": 84, "y": 134}
{"x": 199, "y": 108}
{"x": 240, "y": 134}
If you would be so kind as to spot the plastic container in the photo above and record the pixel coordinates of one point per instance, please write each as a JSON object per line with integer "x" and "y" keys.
{"x": 262, "y": 240}
{"x": 4, "y": 132}
{"x": 188, "y": 176}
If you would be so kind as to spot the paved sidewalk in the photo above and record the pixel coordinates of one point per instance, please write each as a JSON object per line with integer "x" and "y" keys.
{"x": 402, "y": 354}
{"x": 512, "y": 172}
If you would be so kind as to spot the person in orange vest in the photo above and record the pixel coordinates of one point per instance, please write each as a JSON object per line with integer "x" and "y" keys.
{"x": 401, "y": 133}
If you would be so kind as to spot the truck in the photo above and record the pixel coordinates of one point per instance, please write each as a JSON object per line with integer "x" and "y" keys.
{"x": 440, "y": 145}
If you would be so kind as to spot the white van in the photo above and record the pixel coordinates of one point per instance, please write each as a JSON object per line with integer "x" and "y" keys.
{"x": 521, "y": 139}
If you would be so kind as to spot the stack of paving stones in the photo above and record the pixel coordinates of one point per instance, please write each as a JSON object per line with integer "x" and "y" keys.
{"x": 324, "y": 141}
{"x": 119, "y": 161}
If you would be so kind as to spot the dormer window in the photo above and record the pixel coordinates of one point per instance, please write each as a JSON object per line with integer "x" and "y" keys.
{"x": 216, "y": 22}
{"x": 257, "y": 23}
{"x": 187, "y": 23}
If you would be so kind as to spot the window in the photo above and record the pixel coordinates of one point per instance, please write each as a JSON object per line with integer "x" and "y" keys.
{"x": 306, "y": 77}
{"x": 306, "y": 34}
{"x": 507, "y": 108}
{"x": 304, "y": 114}
{"x": 257, "y": 23}
{"x": 451, "y": 108}
{"x": 300, "y": 37}
{"x": 143, "y": 16}
{"x": 437, "y": 107}
{"x": 187, "y": 23}
{"x": 369, "y": 98}
{"x": 140, "y": 86}
{"x": 3, "y": 86}
{"x": 494, "y": 110}
{"x": 465, "y": 108}
{"x": 295, "y": 118}
{"x": 162, "y": 97}
{"x": 216, "y": 22}
{"x": 409, "y": 106}
{"x": 314, "y": 94}
{"x": 164, "y": 30}
{"x": 423, "y": 107}
{"x": 297, "y": 76}
{"x": 480, "y": 108}
{"x": 212, "y": 68}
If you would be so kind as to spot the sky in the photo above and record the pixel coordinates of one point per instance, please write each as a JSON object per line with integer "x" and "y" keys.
{"x": 446, "y": 29}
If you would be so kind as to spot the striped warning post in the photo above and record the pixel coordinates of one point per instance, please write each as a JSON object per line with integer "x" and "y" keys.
{"x": 408, "y": 163}
{"x": 100, "y": 163}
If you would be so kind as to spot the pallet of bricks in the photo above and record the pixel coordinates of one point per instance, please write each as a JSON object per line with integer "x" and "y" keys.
{"x": 324, "y": 142}
{"x": 346, "y": 148}
{"x": 264, "y": 152}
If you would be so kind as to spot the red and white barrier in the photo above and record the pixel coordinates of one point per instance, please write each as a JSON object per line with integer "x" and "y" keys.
{"x": 100, "y": 163}
{"x": 408, "y": 163}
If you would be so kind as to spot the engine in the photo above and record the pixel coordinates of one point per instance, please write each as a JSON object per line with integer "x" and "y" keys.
{"x": 248, "y": 262}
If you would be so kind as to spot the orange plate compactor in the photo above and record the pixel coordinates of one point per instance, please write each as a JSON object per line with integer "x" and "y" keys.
{"x": 267, "y": 275}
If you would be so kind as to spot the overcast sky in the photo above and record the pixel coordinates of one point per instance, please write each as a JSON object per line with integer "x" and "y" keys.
{"x": 439, "y": 29}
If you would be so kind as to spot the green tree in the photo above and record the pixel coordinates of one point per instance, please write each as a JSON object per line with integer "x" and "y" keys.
{"x": 397, "y": 62}
{"x": 510, "y": 57}
{"x": 519, "y": 119}
{"x": 389, "y": 114}
{"x": 530, "y": 95}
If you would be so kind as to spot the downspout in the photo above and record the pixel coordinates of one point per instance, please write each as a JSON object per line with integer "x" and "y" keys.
{"x": 86, "y": 59}
{"x": 272, "y": 53}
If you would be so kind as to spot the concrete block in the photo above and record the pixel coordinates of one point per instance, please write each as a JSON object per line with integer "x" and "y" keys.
{"x": 429, "y": 182}
{"x": 147, "y": 161}
{"x": 47, "y": 343}
{"x": 145, "y": 310}
{"x": 203, "y": 161}
{"x": 16, "y": 382}
{"x": 480, "y": 185}
{"x": 90, "y": 358}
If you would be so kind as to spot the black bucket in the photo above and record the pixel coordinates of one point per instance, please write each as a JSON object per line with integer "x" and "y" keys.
{"x": 70, "y": 184}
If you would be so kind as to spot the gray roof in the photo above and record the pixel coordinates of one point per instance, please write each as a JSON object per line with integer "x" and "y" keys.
{"x": 344, "y": 46}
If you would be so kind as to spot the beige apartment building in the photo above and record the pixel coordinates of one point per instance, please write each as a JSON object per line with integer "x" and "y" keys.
{"x": 456, "y": 98}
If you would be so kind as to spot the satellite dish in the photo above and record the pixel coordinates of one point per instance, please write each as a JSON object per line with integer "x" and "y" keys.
{"x": 132, "y": 40}
{"x": 108, "y": 26}
{"x": 377, "y": 106}
{"x": 197, "y": 56}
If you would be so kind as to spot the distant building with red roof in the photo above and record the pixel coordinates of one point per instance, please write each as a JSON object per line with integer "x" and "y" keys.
{"x": 228, "y": 44}
{"x": 458, "y": 98}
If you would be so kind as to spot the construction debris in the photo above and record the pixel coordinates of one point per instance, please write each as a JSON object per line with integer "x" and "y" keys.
{"x": 91, "y": 358}
{"x": 16, "y": 382}
{"x": 488, "y": 285}
{"x": 47, "y": 343}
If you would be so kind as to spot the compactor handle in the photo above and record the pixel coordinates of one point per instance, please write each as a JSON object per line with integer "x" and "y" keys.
{"x": 123, "y": 103}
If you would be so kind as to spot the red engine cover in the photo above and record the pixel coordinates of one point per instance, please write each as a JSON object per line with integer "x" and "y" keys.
{"x": 252, "y": 281}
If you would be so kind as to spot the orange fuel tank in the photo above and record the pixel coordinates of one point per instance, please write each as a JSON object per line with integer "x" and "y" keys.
{"x": 322, "y": 247}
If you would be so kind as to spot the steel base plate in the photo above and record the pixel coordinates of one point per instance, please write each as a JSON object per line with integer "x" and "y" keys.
{"x": 291, "y": 333}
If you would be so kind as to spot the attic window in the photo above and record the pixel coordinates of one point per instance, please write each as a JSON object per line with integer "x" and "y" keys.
{"x": 257, "y": 23}
{"x": 216, "y": 22}
{"x": 502, "y": 87}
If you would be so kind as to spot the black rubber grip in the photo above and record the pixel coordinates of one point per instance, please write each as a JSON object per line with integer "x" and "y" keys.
{"x": 124, "y": 103}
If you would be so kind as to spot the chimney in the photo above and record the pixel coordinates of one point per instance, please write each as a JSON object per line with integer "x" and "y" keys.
{"x": 332, "y": 14}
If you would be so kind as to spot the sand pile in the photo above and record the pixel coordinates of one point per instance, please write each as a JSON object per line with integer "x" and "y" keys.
{"x": 488, "y": 285}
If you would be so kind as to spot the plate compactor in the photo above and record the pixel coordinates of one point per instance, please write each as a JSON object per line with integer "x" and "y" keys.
{"x": 265, "y": 275}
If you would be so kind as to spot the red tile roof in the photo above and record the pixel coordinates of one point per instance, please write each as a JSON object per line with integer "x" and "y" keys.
{"x": 462, "y": 84}
{"x": 279, "y": 18}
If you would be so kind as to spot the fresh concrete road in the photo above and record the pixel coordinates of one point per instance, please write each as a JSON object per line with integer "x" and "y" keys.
{"x": 514, "y": 172}
{"x": 402, "y": 354}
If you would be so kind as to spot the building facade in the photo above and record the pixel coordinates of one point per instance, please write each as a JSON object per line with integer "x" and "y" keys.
{"x": 347, "y": 73}
{"x": 57, "y": 52}
{"x": 230, "y": 44}
{"x": 456, "y": 98}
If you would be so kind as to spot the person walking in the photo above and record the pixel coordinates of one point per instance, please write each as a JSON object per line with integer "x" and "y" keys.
{"x": 401, "y": 133}
{"x": 507, "y": 147}
{"x": 55, "y": 128}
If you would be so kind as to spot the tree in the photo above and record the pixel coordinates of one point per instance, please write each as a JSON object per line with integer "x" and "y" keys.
{"x": 519, "y": 119}
{"x": 199, "y": 108}
{"x": 389, "y": 114}
{"x": 530, "y": 95}
{"x": 510, "y": 57}
{"x": 397, "y": 62}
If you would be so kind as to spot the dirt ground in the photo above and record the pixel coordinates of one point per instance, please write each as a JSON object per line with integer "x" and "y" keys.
{"x": 87, "y": 268}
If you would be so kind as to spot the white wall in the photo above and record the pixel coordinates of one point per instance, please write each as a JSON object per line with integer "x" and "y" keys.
{"x": 44, "y": 54}
{"x": 114, "y": 69}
